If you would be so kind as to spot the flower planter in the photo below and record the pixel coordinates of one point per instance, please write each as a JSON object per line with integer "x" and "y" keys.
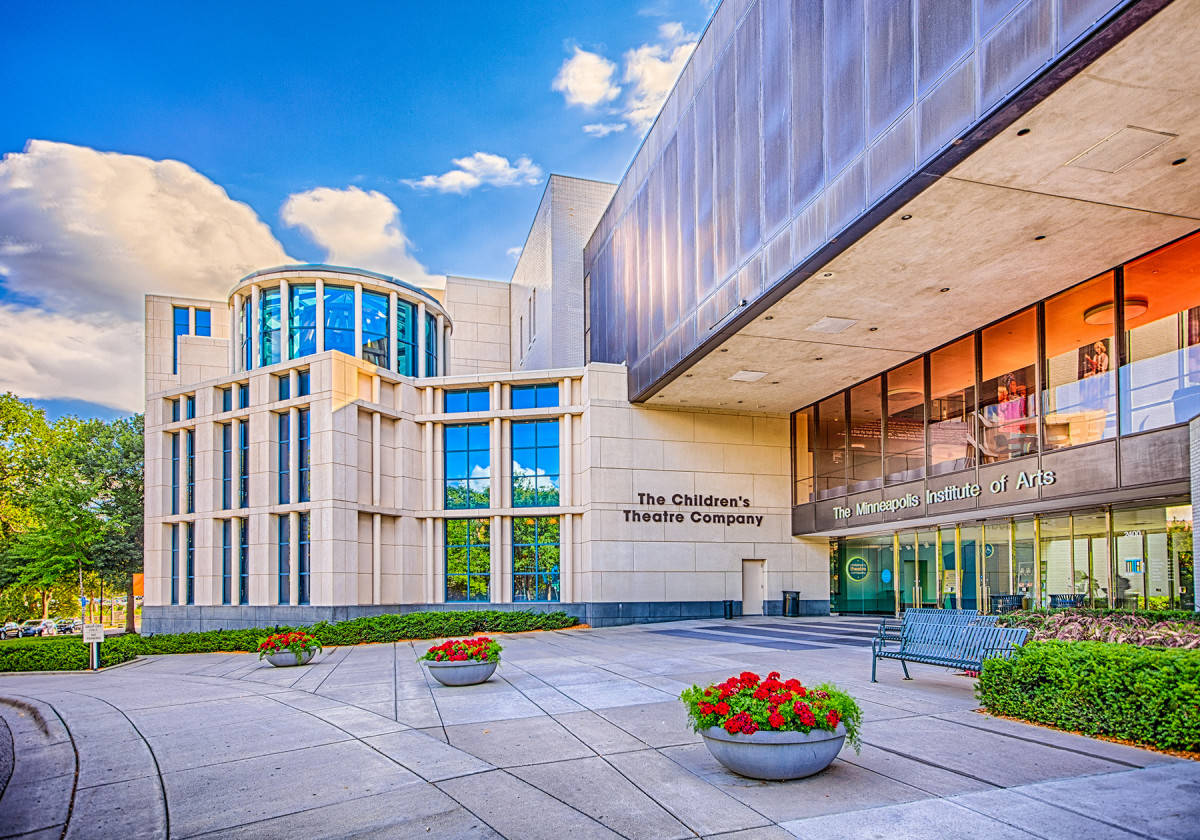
{"x": 775, "y": 756}
{"x": 286, "y": 659}
{"x": 462, "y": 673}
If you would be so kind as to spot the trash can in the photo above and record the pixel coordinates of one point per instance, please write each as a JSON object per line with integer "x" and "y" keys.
{"x": 791, "y": 603}
{"x": 729, "y": 609}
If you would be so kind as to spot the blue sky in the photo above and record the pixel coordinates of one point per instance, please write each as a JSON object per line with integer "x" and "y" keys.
{"x": 270, "y": 102}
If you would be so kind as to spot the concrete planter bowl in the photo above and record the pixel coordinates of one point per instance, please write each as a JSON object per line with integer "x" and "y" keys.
{"x": 287, "y": 659}
{"x": 461, "y": 673}
{"x": 775, "y": 756}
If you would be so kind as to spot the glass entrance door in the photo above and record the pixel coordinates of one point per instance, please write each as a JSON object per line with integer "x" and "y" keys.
{"x": 863, "y": 576}
{"x": 918, "y": 570}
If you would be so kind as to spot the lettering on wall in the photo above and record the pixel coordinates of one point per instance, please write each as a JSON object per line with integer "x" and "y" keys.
{"x": 697, "y": 513}
{"x": 953, "y": 493}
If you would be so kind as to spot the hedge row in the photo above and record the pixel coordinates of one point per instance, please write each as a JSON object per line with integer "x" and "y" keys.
{"x": 70, "y": 654}
{"x": 1149, "y": 695}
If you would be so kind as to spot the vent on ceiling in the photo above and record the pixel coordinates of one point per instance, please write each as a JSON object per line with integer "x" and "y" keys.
{"x": 748, "y": 376}
{"x": 1121, "y": 149}
{"x": 829, "y": 324}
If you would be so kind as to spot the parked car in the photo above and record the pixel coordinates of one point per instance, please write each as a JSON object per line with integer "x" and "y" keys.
{"x": 38, "y": 627}
{"x": 10, "y": 630}
{"x": 65, "y": 625}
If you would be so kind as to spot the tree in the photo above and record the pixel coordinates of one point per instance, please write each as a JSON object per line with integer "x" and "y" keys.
{"x": 116, "y": 460}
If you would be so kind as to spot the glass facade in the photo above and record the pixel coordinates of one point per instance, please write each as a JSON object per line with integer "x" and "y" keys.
{"x": 468, "y": 466}
{"x": 190, "y": 568}
{"x": 303, "y": 451}
{"x": 535, "y": 558}
{"x": 203, "y": 322}
{"x": 283, "y": 535}
{"x": 179, "y": 317}
{"x": 270, "y": 325}
{"x": 375, "y": 328}
{"x": 174, "y": 529}
{"x": 543, "y": 395}
{"x": 243, "y": 562}
{"x": 284, "y": 424}
{"x": 245, "y": 323}
{"x": 189, "y": 439}
{"x": 535, "y": 464}
{"x": 406, "y": 338}
{"x": 431, "y": 346}
{"x": 470, "y": 399}
{"x": 226, "y": 465}
{"x": 174, "y": 436}
{"x": 303, "y": 558}
{"x": 243, "y": 432}
{"x": 302, "y": 320}
{"x": 339, "y": 319}
{"x": 226, "y": 561}
{"x": 468, "y": 559}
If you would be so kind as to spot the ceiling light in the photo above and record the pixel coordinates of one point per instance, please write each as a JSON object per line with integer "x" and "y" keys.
{"x": 819, "y": 359}
{"x": 830, "y": 324}
{"x": 906, "y": 217}
{"x": 1022, "y": 132}
{"x": 1178, "y": 161}
{"x": 828, "y": 273}
{"x": 1039, "y": 237}
{"x": 774, "y": 381}
{"x": 748, "y": 376}
{"x": 944, "y": 289}
{"x": 1105, "y": 313}
{"x": 769, "y": 318}
{"x": 873, "y": 329}
{"x": 724, "y": 349}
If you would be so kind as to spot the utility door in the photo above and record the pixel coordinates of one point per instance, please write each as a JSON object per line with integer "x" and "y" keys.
{"x": 753, "y": 587}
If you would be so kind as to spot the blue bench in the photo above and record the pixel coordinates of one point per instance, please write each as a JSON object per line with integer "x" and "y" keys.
{"x": 959, "y": 639}
{"x": 1058, "y": 602}
{"x": 1006, "y": 603}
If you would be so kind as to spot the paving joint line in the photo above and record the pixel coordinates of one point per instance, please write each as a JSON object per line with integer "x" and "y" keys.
{"x": 1016, "y": 737}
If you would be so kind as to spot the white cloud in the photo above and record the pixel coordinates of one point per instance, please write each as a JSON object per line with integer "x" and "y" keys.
{"x": 84, "y": 236}
{"x": 357, "y": 228}
{"x": 586, "y": 79}
{"x": 479, "y": 169}
{"x": 652, "y": 69}
{"x": 603, "y": 129}
{"x": 514, "y": 252}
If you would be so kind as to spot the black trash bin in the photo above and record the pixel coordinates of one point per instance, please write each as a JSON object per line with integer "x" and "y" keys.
{"x": 729, "y": 609}
{"x": 791, "y": 603}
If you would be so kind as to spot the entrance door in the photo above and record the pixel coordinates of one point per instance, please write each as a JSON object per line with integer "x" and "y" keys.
{"x": 753, "y": 587}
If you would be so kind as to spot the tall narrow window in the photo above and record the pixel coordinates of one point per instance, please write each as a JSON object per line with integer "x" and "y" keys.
{"x": 284, "y": 530}
{"x": 245, "y": 324}
{"x": 243, "y": 463}
{"x": 226, "y": 399}
{"x": 544, "y": 395}
{"x": 303, "y": 452}
{"x": 174, "y": 563}
{"x": 270, "y": 326}
{"x": 431, "y": 346}
{"x": 829, "y": 447}
{"x": 226, "y": 466}
{"x": 244, "y": 395}
{"x": 189, "y": 438}
{"x": 174, "y": 472}
{"x": 303, "y": 558}
{"x": 174, "y": 410}
{"x": 468, "y": 559}
{"x": 190, "y": 406}
{"x": 226, "y": 561}
{"x": 952, "y": 407}
{"x": 468, "y": 466}
{"x": 180, "y": 319}
{"x": 203, "y": 322}
{"x": 406, "y": 338}
{"x": 285, "y": 458}
{"x": 1007, "y": 418}
{"x": 866, "y": 435}
{"x": 535, "y": 471}
{"x": 303, "y": 383}
{"x": 191, "y": 563}
{"x": 375, "y": 328}
{"x": 302, "y": 323}
{"x": 1079, "y": 391}
{"x": 283, "y": 386}
{"x": 535, "y": 558}
{"x": 339, "y": 319}
{"x": 244, "y": 562}
{"x": 904, "y": 450}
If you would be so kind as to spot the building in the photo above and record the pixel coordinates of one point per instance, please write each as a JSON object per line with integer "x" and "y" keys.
{"x": 898, "y": 304}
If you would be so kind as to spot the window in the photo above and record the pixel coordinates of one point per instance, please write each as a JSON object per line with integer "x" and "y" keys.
{"x": 190, "y": 406}
{"x": 180, "y": 318}
{"x": 544, "y": 395}
{"x": 952, "y": 407}
{"x": 243, "y": 463}
{"x": 285, "y": 457}
{"x": 302, "y": 320}
{"x": 283, "y": 386}
{"x": 431, "y": 345}
{"x": 226, "y": 399}
{"x": 471, "y": 399}
{"x": 521, "y": 336}
{"x": 174, "y": 529}
{"x": 244, "y": 326}
{"x": 283, "y": 529}
{"x": 375, "y": 328}
{"x": 1079, "y": 396}
{"x": 226, "y": 561}
{"x": 535, "y": 463}
{"x": 226, "y": 466}
{"x": 190, "y": 571}
{"x": 174, "y": 472}
{"x": 189, "y": 438}
{"x": 829, "y": 446}
{"x": 866, "y": 435}
{"x": 203, "y": 322}
{"x": 339, "y": 319}
{"x": 535, "y": 558}
{"x": 406, "y": 338}
{"x": 244, "y": 395}
{"x": 270, "y": 327}
{"x": 904, "y": 449}
{"x": 1160, "y": 308}
{"x": 802, "y": 450}
{"x": 303, "y": 383}
{"x": 243, "y": 562}
{"x": 303, "y": 450}
{"x": 468, "y": 466}
{"x": 468, "y": 559}
{"x": 303, "y": 558}
{"x": 532, "y": 315}
{"x": 1007, "y": 419}
{"x": 174, "y": 408}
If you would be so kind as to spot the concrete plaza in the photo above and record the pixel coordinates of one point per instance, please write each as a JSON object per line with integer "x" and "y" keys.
{"x": 578, "y": 735}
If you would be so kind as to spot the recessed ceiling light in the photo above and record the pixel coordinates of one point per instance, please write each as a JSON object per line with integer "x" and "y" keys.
{"x": 769, "y": 318}
{"x": 1178, "y": 161}
{"x": 724, "y": 349}
{"x": 774, "y": 381}
{"x": 830, "y": 324}
{"x": 1105, "y": 313}
{"x": 1039, "y": 237}
{"x": 748, "y": 376}
{"x": 906, "y": 217}
{"x": 827, "y": 274}
{"x": 873, "y": 329}
{"x": 944, "y": 289}
{"x": 739, "y": 402}
{"x": 1022, "y": 132}
{"x": 688, "y": 375}
{"x": 819, "y": 359}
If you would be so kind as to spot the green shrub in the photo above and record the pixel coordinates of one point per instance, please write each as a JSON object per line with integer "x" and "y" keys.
{"x": 1034, "y": 619}
{"x": 1150, "y": 695}
{"x": 56, "y": 653}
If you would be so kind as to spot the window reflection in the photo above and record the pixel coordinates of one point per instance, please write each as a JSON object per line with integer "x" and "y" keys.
{"x": 829, "y": 453}
{"x": 1079, "y": 399}
{"x": 375, "y": 328}
{"x": 302, "y": 320}
{"x": 468, "y": 559}
{"x": 905, "y": 444}
{"x": 802, "y": 452}
{"x": 866, "y": 435}
{"x": 406, "y": 338}
{"x": 1006, "y": 424}
{"x": 339, "y": 319}
{"x": 468, "y": 466}
{"x": 270, "y": 324}
{"x": 952, "y": 406}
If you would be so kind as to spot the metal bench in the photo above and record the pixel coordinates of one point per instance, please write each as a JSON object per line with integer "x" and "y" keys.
{"x": 1006, "y": 603}
{"x": 949, "y": 644}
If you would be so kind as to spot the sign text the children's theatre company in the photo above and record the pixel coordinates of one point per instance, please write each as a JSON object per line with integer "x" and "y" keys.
{"x": 698, "y": 508}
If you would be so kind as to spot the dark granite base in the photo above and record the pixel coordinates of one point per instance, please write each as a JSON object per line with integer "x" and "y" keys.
{"x": 184, "y": 619}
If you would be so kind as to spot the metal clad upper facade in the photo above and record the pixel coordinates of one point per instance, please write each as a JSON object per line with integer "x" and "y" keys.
{"x": 791, "y": 120}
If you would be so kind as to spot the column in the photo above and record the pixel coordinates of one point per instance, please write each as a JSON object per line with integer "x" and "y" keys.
{"x": 439, "y": 337}
{"x": 566, "y": 458}
{"x": 294, "y": 557}
{"x": 566, "y": 559}
{"x": 393, "y": 300}
{"x": 958, "y": 560}
{"x": 376, "y": 556}
{"x": 285, "y": 319}
{"x": 496, "y": 564}
{"x": 430, "y": 566}
{"x": 320, "y": 315}
{"x": 191, "y": 320}
{"x": 445, "y": 362}
{"x": 1037, "y": 562}
{"x": 376, "y": 456}
{"x": 896, "y": 570}
{"x": 358, "y": 320}
{"x": 255, "y": 325}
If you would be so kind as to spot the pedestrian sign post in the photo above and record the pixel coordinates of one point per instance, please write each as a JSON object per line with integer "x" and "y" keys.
{"x": 93, "y": 637}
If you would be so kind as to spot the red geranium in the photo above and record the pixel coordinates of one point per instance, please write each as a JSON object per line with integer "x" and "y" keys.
{"x": 478, "y": 649}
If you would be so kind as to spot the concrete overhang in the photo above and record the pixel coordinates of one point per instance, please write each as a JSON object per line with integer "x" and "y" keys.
{"x": 1085, "y": 180}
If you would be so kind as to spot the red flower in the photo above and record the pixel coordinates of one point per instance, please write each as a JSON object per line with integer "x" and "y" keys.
{"x": 774, "y": 675}
{"x": 776, "y": 720}
{"x": 832, "y": 719}
{"x": 761, "y": 693}
{"x": 722, "y": 708}
{"x": 804, "y": 714}
{"x": 748, "y": 678}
